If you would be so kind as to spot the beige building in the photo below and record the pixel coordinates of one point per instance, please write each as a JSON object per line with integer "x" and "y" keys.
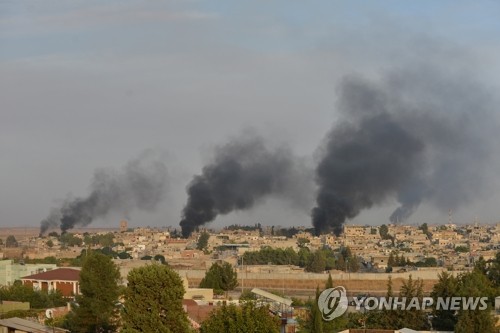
{"x": 205, "y": 294}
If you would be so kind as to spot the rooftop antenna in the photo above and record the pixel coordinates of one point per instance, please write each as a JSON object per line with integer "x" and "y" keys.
{"x": 450, "y": 218}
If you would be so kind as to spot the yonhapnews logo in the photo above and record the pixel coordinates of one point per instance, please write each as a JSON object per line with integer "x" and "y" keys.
{"x": 332, "y": 303}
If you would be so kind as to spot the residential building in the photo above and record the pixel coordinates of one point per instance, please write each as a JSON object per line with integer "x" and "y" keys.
{"x": 66, "y": 280}
{"x": 10, "y": 271}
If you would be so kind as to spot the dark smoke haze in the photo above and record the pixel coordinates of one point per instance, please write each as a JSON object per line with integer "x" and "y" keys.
{"x": 414, "y": 136}
{"x": 242, "y": 174}
{"x": 140, "y": 185}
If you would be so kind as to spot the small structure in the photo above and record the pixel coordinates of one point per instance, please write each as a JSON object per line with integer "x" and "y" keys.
{"x": 206, "y": 294}
{"x": 6, "y": 306}
{"x": 197, "y": 312}
{"x": 279, "y": 306}
{"x": 123, "y": 225}
{"x": 66, "y": 280}
{"x": 19, "y": 325}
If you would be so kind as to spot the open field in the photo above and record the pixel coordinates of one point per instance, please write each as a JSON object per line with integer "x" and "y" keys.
{"x": 297, "y": 287}
{"x": 304, "y": 284}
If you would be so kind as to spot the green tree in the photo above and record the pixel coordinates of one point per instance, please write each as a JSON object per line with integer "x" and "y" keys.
{"x": 246, "y": 318}
{"x": 475, "y": 321}
{"x": 50, "y": 243}
{"x": 391, "y": 262}
{"x": 329, "y": 258}
{"x": 314, "y": 322}
{"x": 447, "y": 286}
{"x": 301, "y": 242}
{"x": 493, "y": 272}
{"x": 124, "y": 255}
{"x": 102, "y": 240}
{"x": 340, "y": 264}
{"x": 160, "y": 258}
{"x": 203, "y": 241}
{"x": 153, "y": 301}
{"x": 275, "y": 256}
{"x": 491, "y": 269}
{"x": 220, "y": 277}
{"x": 304, "y": 255}
{"x": 425, "y": 229}
{"x": 329, "y": 282}
{"x": 388, "y": 318}
{"x": 38, "y": 299}
{"x": 461, "y": 249}
{"x": 317, "y": 262}
{"x": 96, "y": 310}
{"x": 337, "y": 324}
{"x": 481, "y": 265}
{"x": 475, "y": 284}
{"x": 384, "y": 231}
{"x": 247, "y": 295}
{"x": 415, "y": 318}
{"x": 347, "y": 261}
{"x": 428, "y": 262}
{"x": 68, "y": 239}
{"x": 11, "y": 241}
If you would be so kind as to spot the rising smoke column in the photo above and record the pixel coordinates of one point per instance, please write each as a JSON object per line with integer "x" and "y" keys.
{"x": 414, "y": 136}
{"x": 139, "y": 185}
{"x": 242, "y": 173}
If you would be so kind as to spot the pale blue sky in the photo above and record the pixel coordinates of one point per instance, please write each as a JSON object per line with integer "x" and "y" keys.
{"x": 86, "y": 84}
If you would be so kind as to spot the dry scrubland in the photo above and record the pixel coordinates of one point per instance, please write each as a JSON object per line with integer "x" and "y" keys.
{"x": 301, "y": 287}
{"x": 305, "y": 283}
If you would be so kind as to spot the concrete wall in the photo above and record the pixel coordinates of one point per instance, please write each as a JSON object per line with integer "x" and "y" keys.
{"x": 7, "y": 306}
{"x": 195, "y": 293}
{"x": 431, "y": 274}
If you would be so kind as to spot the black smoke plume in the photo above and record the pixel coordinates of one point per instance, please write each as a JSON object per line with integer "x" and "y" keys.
{"x": 242, "y": 173}
{"x": 140, "y": 185}
{"x": 414, "y": 136}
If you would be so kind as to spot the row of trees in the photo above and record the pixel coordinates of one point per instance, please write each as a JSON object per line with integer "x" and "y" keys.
{"x": 153, "y": 302}
{"x": 203, "y": 241}
{"x": 313, "y": 261}
{"x": 159, "y": 258}
{"x": 153, "y": 299}
{"x": 69, "y": 239}
{"x": 221, "y": 277}
{"x": 396, "y": 260}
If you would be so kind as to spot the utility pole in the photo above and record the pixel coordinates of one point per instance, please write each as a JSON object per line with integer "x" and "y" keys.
{"x": 242, "y": 277}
